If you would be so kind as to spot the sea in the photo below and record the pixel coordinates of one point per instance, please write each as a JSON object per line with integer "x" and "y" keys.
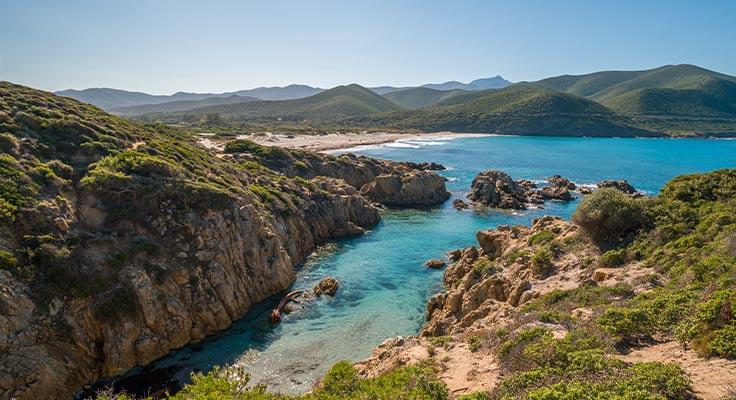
{"x": 384, "y": 286}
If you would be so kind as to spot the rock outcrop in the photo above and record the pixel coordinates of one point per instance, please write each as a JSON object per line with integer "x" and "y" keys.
{"x": 434, "y": 264}
{"x": 485, "y": 282}
{"x": 621, "y": 185}
{"x": 460, "y": 205}
{"x": 426, "y": 166}
{"x": 556, "y": 181}
{"x": 497, "y": 189}
{"x": 555, "y": 193}
{"x": 416, "y": 188}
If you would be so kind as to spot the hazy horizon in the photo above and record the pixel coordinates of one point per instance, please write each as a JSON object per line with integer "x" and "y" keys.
{"x": 169, "y": 46}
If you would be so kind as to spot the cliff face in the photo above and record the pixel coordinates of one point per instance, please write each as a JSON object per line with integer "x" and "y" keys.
{"x": 120, "y": 242}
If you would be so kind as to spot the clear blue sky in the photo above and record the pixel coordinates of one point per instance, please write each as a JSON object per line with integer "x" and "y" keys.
{"x": 163, "y": 46}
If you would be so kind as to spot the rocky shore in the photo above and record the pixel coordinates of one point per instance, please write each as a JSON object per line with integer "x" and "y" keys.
{"x": 497, "y": 189}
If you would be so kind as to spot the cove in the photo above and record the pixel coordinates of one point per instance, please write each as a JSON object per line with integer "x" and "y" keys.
{"x": 384, "y": 286}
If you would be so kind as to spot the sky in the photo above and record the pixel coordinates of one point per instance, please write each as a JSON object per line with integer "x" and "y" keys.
{"x": 165, "y": 46}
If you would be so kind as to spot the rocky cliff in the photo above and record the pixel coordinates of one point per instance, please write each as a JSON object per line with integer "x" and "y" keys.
{"x": 120, "y": 242}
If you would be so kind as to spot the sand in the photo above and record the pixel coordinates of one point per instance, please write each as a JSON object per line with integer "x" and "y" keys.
{"x": 340, "y": 141}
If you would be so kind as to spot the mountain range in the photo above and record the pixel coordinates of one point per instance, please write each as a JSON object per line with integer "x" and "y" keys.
{"x": 669, "y": 100}
{"x": 121, "y": 102}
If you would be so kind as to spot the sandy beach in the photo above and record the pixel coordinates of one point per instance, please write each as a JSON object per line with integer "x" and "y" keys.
{"x": 341, "y": 141}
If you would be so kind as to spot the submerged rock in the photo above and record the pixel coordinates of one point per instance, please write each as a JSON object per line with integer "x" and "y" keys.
{"x": 326, "y": 286}
{"x": 460, "y": 205}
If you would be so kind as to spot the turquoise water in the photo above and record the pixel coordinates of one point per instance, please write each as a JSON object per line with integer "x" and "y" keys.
{"x": 384, "y": 287}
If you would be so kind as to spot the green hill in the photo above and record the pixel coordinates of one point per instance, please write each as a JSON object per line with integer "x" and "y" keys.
{"x": 330, "y": 105}
{"x": 421, "y": 96}
{"x": 515, "y": 111}
{"x": 181, "y": 105}
{"x": 682, "y": 90}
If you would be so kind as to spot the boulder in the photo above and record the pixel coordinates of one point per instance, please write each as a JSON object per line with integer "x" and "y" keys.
{"x": 326, "y": 286}
{"x": 434, "y": 264}
{"x": 426, "y": 166}
{"x": 585, "y": 190}
{"x": 555, "y": 193}
{"x": 415, "y": 188}
{"x": 497, "y": 189}
{"x": 621, "y": 185}
{"x": 460, "y": 205}
{"x": 559, "y": 182}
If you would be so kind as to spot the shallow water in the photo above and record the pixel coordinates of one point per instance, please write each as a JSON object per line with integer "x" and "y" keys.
{"x": 384, "y": 287}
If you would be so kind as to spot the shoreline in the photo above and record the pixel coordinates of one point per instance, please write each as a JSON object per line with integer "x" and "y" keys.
{"x": 334, "y": 142}
{"x": 341, "y": 142}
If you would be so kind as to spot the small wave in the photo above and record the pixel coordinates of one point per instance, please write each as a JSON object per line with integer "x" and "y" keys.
{"x": 452, "y": 179}
{"x": 402, "y": 145}
{"x": 358, "y": 148}
{"x": 424, "y": 143}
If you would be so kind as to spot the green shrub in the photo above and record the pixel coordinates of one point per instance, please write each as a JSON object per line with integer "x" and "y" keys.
{"x": 613, "y": 258}
{"x": 724, "y": 341}
{"x": 542, "y": 262}
{"x": 515, "y": 255}
{"x": 8, "y": 261}
{"x": 626, "y": 325}
{"x": 608, "y": 215}
{"x": 541, "y": 237}
{"x": 474, "y": 343}
{"x": 485, "y": 266}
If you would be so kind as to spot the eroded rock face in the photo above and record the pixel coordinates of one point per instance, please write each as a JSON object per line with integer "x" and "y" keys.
{"x": 496, "y": 189}
{"x": 211, "y": 267}
{"x": 416, "y": 188}
{"x": 484, "y": 283}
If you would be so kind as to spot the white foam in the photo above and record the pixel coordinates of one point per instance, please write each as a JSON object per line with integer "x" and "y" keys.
{"x": 424, "y": 143}
{"x": 402, "y": 145}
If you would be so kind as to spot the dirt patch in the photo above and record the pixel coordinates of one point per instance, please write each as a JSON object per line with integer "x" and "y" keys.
{"x": 711, "y": 377}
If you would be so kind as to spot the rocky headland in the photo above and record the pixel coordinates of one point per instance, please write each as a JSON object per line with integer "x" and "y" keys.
{"x": 120, "y": 242}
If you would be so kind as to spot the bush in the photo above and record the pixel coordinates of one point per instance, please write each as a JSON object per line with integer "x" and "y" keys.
{"x": 542, "y": 262}
{"x": 724, "y": 341}
{"x": 608, "y": 215}
{"x": 613, "y": 258}
{"x": 626, "y": 325}
{"x": 541, "y": 237}
{"x": 8, "y": 261}
{"x": 474, "y": 343}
